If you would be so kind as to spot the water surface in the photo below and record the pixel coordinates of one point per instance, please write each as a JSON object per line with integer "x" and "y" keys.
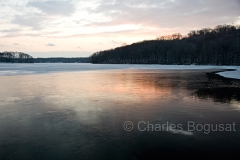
{"x": 80, "y": 115}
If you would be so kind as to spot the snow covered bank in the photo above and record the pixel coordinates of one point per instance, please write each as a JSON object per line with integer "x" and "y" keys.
{"x": 12, "y": 69}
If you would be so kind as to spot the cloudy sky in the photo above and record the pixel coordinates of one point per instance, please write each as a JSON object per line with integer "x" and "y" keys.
{"x": 78, "y": 28}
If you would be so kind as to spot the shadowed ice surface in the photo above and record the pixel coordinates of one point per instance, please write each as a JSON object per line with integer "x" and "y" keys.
{"x": 80, "y": 115}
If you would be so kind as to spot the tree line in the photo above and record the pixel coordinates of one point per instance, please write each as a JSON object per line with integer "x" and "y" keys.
{"x": 15, "y": 57}
{"x": 61, "y": 60}
{"x": 19, "y": 57}
{"x": 217, "y": 46}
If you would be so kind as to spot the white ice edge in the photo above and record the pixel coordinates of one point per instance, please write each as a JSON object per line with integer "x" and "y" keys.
{"x": 7, "y": 69}
{"x": 231, "y": 74}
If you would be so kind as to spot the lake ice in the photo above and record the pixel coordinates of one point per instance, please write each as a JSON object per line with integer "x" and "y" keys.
{"x": 7, "y": 69}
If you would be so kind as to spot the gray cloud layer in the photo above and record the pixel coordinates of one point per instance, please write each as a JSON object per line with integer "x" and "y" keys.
{"x": 170, "y": 13}
{"x": 13, "y": 30}
{"x": 63, "y": 8}
{"x": 39, "y": 20}
{"x": 50, "y": 45}
{"x": 30, "y": 20}
{"x": 184, "y": 15}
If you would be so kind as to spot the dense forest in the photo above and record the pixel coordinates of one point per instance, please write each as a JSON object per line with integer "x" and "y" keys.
{"x": 61, "y": 60}
{"x": 218, "y": 46}
{"x": 15, "y": 57}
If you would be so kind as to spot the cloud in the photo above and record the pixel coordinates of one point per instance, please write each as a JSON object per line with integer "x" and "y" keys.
{"x": 169, "y": 13}
{"x": 79, "y": 47}
{"x": 13, "y": 30}
{"x": 62, "y": 8}
{"x": 50, "y": 45}
{"x": 16, "y": 44}
{"x": 103, "y": 34}
{"x": 117, "y": 42}
{"x": 34, "y": 20}
{"x": 40, "y": 34}
{"x": 20, "y": 35}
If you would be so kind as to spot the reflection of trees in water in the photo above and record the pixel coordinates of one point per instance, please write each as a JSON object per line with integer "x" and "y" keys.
{"x": 224, "y": 94}
{"x": 220, "y": 89}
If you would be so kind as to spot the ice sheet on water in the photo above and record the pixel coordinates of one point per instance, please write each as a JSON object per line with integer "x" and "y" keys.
{"x": 231, "y": 74}
{"x": 7, "y": 69}
{"x": 14, "y": 72}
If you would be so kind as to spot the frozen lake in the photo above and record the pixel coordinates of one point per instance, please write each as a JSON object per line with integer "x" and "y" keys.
{"x": 78, "y": 111}
{"x": 7, "y": 69}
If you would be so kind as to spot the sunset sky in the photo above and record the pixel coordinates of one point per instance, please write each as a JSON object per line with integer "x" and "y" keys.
{"x": 78, "y": 28}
